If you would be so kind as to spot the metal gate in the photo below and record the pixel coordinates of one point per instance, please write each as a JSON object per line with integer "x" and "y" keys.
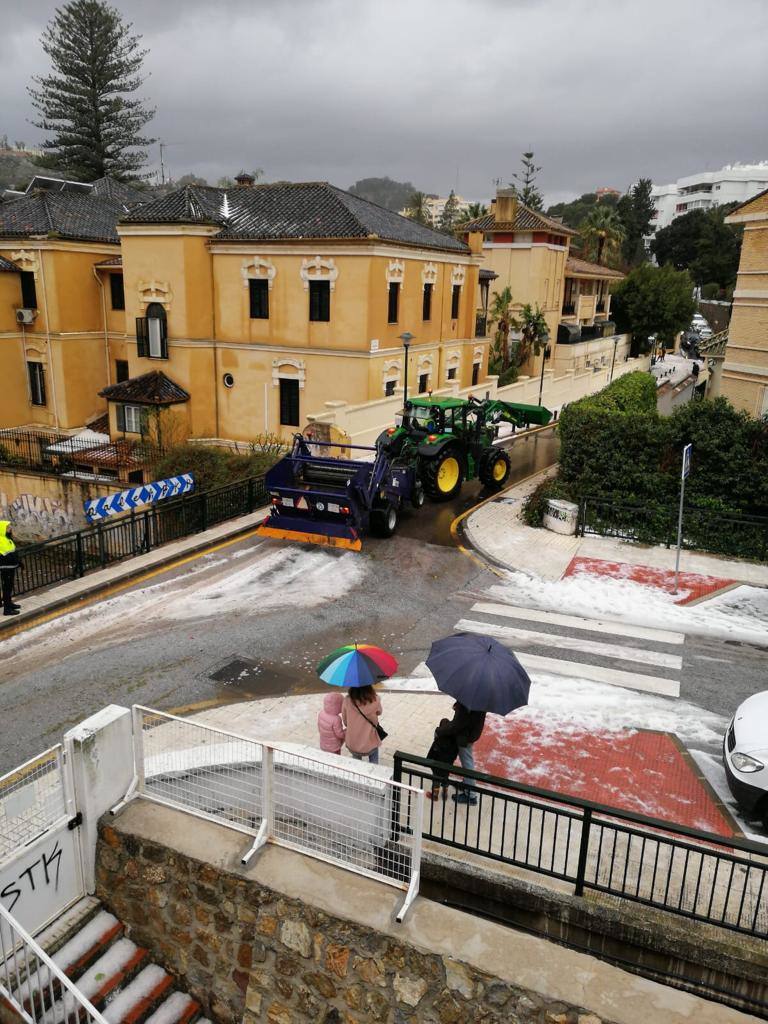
{"x": 41, "y": 869}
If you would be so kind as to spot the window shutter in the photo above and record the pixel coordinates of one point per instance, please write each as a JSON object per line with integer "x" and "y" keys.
{"x": 164, "y": 338}
{"x": 144, "y": 421}
{"x": 142, "y": 336}
{"x": 120, "y": 410}
{"x": 41, "y": 383}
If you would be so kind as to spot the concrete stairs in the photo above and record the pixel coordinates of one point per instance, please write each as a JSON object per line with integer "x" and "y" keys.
{"x": 91, "y": 947}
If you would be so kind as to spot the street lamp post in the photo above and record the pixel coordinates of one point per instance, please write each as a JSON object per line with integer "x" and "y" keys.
{"x": 613, "y": 361}
{"x": 544, "y": 357}
{"x": 406, "y": 337}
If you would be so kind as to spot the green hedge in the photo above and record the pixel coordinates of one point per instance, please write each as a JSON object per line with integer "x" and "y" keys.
{"x": 616, "y": 446}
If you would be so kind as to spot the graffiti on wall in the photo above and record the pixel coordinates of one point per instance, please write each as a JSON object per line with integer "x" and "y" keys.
{"x": 37, "y": 518}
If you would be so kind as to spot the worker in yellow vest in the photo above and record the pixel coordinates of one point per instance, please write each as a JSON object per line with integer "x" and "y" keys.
{"x": 9, "y": 563}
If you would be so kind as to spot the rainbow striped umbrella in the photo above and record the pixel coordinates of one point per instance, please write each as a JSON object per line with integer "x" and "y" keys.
{"x": 356, "y": 665}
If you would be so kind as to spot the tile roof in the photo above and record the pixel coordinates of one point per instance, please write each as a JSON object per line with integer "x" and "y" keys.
{"x": 302, "y": 210}
{"x": 525, "y": 220}
{"x": 574, "y": 265}
{"x": 113, "y": 261}
{"x": 70, "y": 215}
{"x": 121, "y": 191}
{"x": 100, "y": 425}
{"x": 152, "y": 388}
{"x": 7, "y": 265}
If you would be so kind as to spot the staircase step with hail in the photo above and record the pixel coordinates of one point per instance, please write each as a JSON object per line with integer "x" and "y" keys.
{"x": 111, "y": 971}
{"x": 73, "y": 958}
{"x": 67, "y": 925}
{"x": 178, "y": 1008}
{"x": 134, "y": 1003}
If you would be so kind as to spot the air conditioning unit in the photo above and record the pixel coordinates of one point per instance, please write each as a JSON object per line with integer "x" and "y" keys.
{"x": 25, "y": 316}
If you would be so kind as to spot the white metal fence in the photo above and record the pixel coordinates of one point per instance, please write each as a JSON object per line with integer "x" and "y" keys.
{"x": 36, "y": 989}
{"x": 32, "y": 800}
{"x": 308, "y": 801}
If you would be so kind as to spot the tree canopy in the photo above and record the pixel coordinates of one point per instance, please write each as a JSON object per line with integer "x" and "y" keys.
{"x": 636, "y": 210}
{"x": 525, "y": 183}
{"x": 451, "y": 214}
{"x": 86, "y": 104}
{"x": 701, "y": 242}
{"x": 416, "y": 208}
{"x": 574, "y": 214}
{"x": 395, "y": 195}
{"x": 653, "y": 300}
{"x": 602, "y": 233}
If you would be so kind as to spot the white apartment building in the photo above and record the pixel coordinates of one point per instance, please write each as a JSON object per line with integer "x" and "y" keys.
{"x": 735, "y": 183}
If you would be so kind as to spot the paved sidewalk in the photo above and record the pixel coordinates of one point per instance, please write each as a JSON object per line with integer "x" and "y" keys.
{"x": 497, "y": 532}
{"x": 41, "y": 604}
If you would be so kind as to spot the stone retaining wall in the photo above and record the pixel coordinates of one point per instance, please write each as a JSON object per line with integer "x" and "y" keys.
{"x": 249, "y": 953}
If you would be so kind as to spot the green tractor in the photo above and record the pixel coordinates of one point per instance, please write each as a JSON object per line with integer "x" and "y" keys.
{"x": 451, "y": 440}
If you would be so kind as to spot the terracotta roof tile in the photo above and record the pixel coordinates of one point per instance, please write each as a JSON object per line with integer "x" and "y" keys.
{"x": 152, "y": 388}
{"x": 525, "y": 220}
{"x": 574, "y": 265}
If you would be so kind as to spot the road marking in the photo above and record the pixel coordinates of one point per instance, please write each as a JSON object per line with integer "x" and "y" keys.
{"x": 531, "y": 637}
{"x": 599, "y": 674}
{"x": 661, "y": 636}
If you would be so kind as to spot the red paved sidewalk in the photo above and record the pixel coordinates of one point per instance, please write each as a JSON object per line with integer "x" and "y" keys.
{"x": 691, "y": 586}
{"x": 638, "y": 771}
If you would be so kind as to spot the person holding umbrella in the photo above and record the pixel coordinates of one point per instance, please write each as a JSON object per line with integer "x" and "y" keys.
{"x": 484, "y": 677}
{"x": 358, "y": 667}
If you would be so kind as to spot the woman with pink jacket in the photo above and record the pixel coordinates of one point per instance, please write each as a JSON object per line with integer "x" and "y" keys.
{"x": 329, "y": 724}
{"x": 360, "y": 715}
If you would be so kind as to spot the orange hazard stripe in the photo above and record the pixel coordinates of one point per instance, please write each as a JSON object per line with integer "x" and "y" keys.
{"x": 310, "y": 538}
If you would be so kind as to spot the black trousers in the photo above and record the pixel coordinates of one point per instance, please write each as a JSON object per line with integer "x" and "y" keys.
{"x": 7, "y": 577}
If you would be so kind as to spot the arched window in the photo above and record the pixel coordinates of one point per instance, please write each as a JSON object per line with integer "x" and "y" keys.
{"x": 152, "y": 332}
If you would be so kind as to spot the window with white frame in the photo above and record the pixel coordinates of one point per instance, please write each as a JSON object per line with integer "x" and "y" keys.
{"x": 131, "y": 419}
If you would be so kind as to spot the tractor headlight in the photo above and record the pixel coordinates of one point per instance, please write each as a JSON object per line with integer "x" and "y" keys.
{"x": 745, "y": 763}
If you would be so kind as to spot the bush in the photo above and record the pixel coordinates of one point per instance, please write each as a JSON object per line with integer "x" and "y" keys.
{"x": 535, "y": 505}
{"x": 509, "y": 376}
{"x": 711, "y": 291}
{"x": 215, "y": 467}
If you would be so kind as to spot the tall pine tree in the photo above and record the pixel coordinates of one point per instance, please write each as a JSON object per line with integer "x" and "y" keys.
{"x": 635, "y": 210}
{"x": 86, "y": 103}
{"x": 526, "y": 188}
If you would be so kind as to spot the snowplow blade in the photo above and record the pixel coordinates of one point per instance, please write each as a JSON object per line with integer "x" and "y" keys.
{"x": 330, "y": 535}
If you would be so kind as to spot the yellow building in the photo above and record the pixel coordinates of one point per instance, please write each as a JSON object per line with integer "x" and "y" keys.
{"x": 529, "y": 254}
{"x": 54, "y": 347}
{"x": 745, "y": 369}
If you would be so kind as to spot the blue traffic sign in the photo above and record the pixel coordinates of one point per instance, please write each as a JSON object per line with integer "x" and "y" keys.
{"x": 687, "y": 460}
{"x": 136, "y": 497}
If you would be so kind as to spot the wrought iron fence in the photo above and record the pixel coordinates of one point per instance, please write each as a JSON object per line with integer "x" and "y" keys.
{"x": 73, "y": 555}
{"x": 742, "y": 536}
{"x": 65, "y": 454}
{"x": 694, "y": 874}
{"x": 347, "y": 816}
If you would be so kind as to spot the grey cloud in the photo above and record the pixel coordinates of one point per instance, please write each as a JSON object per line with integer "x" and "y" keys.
{"x": 439, "y": 92}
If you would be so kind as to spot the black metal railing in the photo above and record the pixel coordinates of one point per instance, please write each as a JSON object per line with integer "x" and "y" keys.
{"x": 741, "y": 536}
{"x": 64, "y": 454}
{"x": 73, "y": 555}
{"x": 697, "y": 875}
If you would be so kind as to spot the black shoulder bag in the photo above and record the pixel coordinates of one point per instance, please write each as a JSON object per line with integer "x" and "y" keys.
{"x": 381, "y": 733}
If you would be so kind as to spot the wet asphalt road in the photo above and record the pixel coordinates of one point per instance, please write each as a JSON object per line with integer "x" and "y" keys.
{"x": 413, "y": 587}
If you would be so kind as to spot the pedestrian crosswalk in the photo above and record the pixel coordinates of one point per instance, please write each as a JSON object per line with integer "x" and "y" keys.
{"x": 616, "y": 653}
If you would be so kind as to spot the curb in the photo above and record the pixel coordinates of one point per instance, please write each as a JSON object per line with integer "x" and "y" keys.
{"x": 59, "y": 606}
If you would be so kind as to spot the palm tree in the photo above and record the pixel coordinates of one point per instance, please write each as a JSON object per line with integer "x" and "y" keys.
{"x": 535, "y": 333}
{"x": 602, "y": 231}
{"x": 475, "y": 210}
{"x": 418, "y": 210}
{"x": 501, "y": 314}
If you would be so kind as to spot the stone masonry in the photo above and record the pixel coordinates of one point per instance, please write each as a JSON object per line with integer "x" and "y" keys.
{"x": 249, "y": 953}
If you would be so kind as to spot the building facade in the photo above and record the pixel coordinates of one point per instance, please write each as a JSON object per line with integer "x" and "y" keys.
{"x": 735, "y": 183}
{"x": 745, "y": 368}
{"x": 248, "y": 307}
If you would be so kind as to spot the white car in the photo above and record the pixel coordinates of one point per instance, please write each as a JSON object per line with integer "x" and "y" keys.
{"x": 745, "y": 756}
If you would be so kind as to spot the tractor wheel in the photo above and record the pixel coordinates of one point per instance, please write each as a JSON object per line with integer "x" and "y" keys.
{"x": 384, "y": 520}
{"x": 417, "y": 494}
{"x": 443, "y": 475}
{"x": 494, "y": 468}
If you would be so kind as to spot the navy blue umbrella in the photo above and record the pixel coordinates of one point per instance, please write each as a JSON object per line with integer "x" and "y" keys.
{"x": 480, "y": 673}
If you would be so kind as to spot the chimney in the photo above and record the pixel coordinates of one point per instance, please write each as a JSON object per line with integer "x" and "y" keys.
{"x": 245, "y": 180}
{"x": 505, "y": 206}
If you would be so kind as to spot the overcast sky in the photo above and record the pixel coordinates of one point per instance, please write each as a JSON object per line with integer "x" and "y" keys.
{"x": 443, "y": 93}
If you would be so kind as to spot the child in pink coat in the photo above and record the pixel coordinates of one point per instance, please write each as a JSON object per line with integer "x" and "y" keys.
{"x": 329, "y": 724}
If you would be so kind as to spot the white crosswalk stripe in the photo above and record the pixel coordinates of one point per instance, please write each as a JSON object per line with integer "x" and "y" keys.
{"x": 580, "y": 647}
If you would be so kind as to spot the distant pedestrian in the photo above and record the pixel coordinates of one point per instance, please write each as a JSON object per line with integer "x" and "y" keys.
{"x": 9, "y": 563}
{"x": 360, "y": 714}
{"x": 329, "y": 724}
{"x": 466, "y": 727}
